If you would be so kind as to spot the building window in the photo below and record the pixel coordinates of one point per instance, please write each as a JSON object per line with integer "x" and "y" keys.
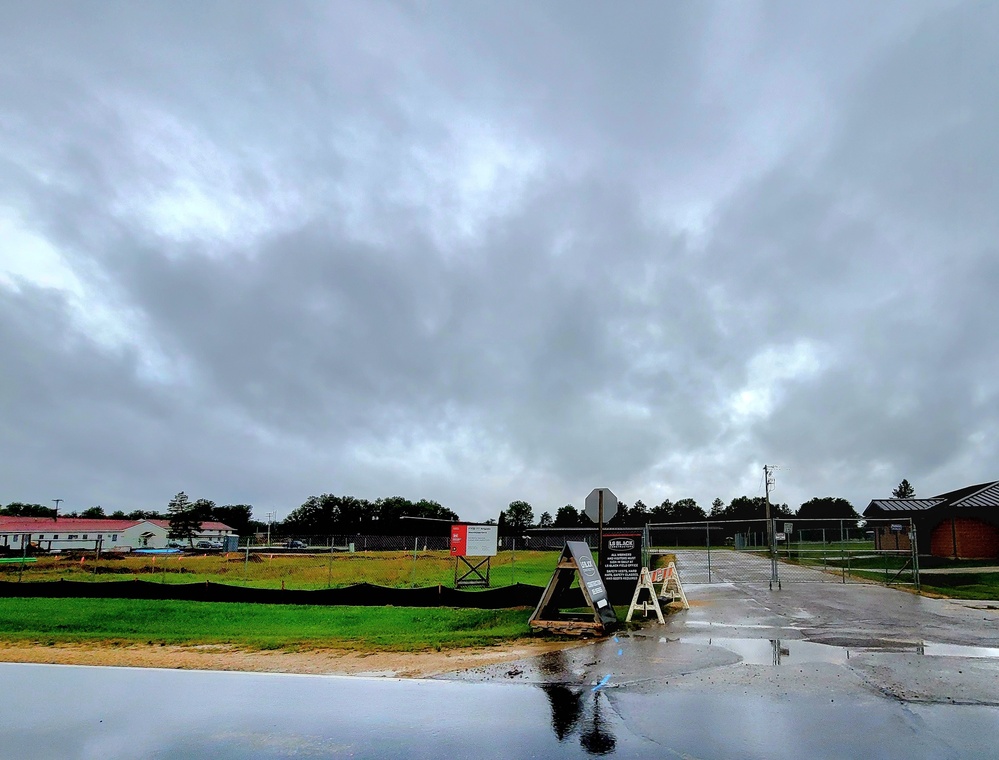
{"x": 55, "y": 535}
{"x": 114, "y": 537}
{"x": 71, "y": 536}
{"x": 84, "y": 536}
{"x": 41, "y": 536}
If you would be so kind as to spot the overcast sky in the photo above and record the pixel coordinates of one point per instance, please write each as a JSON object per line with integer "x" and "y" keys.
{"x": 484, "y": 251}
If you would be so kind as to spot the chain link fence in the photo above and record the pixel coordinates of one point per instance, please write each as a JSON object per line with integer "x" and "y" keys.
{"x": 303, "y": 562}
{"x": 746, "y": 551}
{"x": 789, "y": 550}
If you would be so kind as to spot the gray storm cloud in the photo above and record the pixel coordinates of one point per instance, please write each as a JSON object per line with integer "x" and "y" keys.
{"x": 480, "y": 253}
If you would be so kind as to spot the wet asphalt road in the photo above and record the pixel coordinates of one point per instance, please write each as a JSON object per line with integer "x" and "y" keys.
{"x": 814, "y": 669}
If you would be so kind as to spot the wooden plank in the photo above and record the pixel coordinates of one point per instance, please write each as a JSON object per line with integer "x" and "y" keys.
{"x": 569, "y": 627}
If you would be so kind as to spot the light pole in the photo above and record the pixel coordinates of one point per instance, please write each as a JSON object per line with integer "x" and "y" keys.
{"x": 57, "y": 503}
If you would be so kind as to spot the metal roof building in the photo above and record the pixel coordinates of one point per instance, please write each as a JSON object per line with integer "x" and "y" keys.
{"x": 962, "y": 524}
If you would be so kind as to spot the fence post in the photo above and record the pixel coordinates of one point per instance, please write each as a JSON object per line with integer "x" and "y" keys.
{"x": 773, "y": 553}
{"x": 842, "y": 551}
{"x": 707, "y": 532}
{"x": 329, "y": 575}
{"x": 416, "y": 543}
{"x": 513, "y": 562}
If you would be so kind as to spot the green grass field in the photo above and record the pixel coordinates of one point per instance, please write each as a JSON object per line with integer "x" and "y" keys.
{"x": 269, "y": 626}
{"x": 962, "y": 585}
{"x": 299, "y": 571}
{"x": 255, "y": 626}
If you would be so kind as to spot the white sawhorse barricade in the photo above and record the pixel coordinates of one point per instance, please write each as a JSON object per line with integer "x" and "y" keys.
{"x": 671, "y": 591}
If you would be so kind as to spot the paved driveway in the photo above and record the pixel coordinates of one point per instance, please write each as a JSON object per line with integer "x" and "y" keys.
{"x": 722, "y": 566}
{"x": 730, "y": 566}
{"x": 806, "y": 639}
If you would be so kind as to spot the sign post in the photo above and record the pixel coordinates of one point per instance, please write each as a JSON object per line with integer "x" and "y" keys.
{"x": 600, "y": 505}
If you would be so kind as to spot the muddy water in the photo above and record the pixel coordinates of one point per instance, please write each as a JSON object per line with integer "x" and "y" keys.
{"x": 79, "y": 712}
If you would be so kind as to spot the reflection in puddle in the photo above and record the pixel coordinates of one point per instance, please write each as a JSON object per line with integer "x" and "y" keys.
{"x": 775, "y": 651}
{"x": 597, "y": 740}
{"x": 957, "y": 650}
{"x": 568, "y": 706}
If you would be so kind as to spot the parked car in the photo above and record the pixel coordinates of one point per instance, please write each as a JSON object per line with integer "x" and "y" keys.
{"x": 296, "y": 544}
{"x": 208, "y": 545}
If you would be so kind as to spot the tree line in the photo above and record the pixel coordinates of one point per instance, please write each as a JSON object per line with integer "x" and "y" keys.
{"x": 519, "y": 516}
{"x": 329, "y": 514}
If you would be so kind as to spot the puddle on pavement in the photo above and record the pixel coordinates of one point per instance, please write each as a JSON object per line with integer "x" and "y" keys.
{"x": 216, "y": 715}
{"x": 956, "y": 650}
{"x": 791, "y": 651}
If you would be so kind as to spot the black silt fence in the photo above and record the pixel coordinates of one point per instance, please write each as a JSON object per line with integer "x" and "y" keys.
{"x": 360, "y": 595}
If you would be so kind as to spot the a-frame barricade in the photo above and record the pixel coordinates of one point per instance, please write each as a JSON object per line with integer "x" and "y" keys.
{"x": 576, "y": 561}
{"x": 672, "y": 589}
{"x": 646, "y": 584}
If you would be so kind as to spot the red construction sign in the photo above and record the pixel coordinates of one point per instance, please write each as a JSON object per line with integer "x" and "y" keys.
{"x": 473, "y": 540}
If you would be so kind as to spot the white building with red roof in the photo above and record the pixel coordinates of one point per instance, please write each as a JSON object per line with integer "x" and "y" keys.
{"x": 211, "y": 530}
{"x": 62, "y": 533}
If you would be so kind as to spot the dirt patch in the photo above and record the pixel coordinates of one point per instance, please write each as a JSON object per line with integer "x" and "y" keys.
{"x": 314, "y": 661}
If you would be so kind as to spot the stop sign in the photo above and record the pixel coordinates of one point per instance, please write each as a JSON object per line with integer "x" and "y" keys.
{"x": 592, "y": 504}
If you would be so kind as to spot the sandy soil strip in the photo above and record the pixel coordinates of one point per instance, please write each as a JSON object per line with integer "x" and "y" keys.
{"x": 314, "y": 661}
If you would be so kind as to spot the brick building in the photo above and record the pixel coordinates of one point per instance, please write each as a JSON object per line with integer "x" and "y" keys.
{"x": 961, "y": 524}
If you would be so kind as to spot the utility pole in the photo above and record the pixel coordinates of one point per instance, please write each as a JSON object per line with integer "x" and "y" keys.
{"x": 768, "y": 478}
{"x": 270, "y": 519}
{"x": 57, "y": 503}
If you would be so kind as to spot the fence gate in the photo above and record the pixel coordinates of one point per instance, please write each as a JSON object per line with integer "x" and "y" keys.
{"x": 789, "y": 550}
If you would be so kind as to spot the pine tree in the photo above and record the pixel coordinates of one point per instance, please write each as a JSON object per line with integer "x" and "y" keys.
{"x": 184, "y": 520}
{"x": 717, "y": 507}
{"x": 904, "y": 490}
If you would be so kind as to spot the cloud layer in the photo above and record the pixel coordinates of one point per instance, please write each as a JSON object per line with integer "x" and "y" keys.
{"x": 476, "y": 253}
